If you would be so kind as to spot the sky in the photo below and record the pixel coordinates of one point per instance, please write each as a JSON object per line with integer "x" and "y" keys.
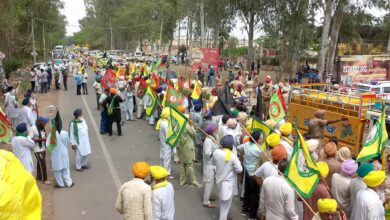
{"x": 74, "y": 10}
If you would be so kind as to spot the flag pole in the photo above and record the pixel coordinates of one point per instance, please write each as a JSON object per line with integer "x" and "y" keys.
{"x": 281, "y": 174}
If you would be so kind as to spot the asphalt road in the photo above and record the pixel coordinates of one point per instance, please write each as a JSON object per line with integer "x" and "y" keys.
{"x": 93, "y": 196}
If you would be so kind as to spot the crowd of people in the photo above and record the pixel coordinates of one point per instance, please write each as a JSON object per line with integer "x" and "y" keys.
{"x": 222, "y": 146}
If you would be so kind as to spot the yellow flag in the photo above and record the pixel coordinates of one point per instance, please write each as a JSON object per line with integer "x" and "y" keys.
{"x": 20, "y": 197}
{"x": 376, "y": 140}
{"x": 263, "y": 128}
{"x": 303, "y": 181}
{"x": 176, "y": 125}
{"x": 197, "y": 90}
{"x": 151, "y": 102}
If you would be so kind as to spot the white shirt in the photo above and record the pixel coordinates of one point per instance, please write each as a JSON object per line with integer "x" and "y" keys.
{"x": 266, "y": 170}
{"x": 340, "y": 191}
{"x": 368, "y": 206}
{"x": 22, "y": 146}
{"x": 226, "y": 173}
{"x": 277, "y": 199}
{"x": 35, "y": 134}
{"x": 355, "y": 186}
{"x": 163, "y": 203}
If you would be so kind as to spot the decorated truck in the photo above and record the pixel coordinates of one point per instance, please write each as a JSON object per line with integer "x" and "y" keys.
{"x": 305, "y": 102}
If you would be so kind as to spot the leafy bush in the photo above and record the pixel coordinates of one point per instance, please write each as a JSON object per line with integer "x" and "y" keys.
{"x": 272, "y": 61}
{"x": 11, "y": 64}
{"x": 234, "y": 52}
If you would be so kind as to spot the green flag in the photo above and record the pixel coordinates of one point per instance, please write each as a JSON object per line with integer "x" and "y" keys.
{"x": 263, "y": 128}
{"x": 176, "y": 125}
{"x": 376, "y": 140}
{"x": 276, "y": 110}
{"x": 53, "y": 136}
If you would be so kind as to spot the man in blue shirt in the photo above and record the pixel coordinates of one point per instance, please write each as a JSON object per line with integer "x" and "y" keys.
{"x": 78, "y": 79}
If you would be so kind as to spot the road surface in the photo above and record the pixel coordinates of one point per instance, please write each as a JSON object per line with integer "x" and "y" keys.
{"x": 93, "y": 196}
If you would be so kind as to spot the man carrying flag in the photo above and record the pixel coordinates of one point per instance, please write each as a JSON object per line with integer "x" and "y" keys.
{"x": 376, "y": 140}
{"x": 57, "y": 143}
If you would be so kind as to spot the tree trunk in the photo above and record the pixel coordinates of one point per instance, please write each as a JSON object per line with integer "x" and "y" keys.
{"x": 190, "y": 37}
{"x": 202, "y": 26}
{"x": 334, "y": 34}
{"x": 325, "y": 36}
{"x": 295, "y": 56}
{"x": 251, "y": 27}
{"x": 169, "y": 47}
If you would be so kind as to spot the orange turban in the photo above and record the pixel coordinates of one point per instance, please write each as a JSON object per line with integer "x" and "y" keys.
{"x": 330, "y": 149}
{"x": 279, "y": 153}
{"x": 181, "y": 109}
{"x": 113, "y": 91}
{"x": 141, "y": 169}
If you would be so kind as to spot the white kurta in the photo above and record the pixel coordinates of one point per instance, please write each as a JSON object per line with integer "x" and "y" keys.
{"x": 83, "y": 145}
{"x": 340, "y": 191}
{"x": 288, "y": 147}
{"x": 60, "y": 154}
{"x": 277, "y": 199}
{"x": 355, "y": 186}
{"x": 22, "y": 146}
{"x": 163, "y": 203}
{"x": 11, "y": 106}
{"x": 368, "y": 206}
{"x": 26, "y": 116}
{"x": 208, "y": 164}
{"x": 165, "y": 149}
{"x": 226, "y": 173}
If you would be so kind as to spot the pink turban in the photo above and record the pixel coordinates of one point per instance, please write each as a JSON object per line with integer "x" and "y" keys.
{"x": 231, "y": 123}
{"x": 349, "y": 167}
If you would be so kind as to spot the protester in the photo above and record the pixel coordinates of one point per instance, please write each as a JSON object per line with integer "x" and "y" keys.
{"x": 33, "y": 78}
{"x": 327, "y": 209}
{"x": 98, "y": 89}
{"x": 22, "y": 146}
{"x": 114, "y": 111}
{"x": 227, "y": 166}
{"x": 38, "y": 134}
{"x": 341, "y": 185}
{"x": 134, "y": 200}
{"x": 209, "y": 147}
{"x": 44, "y": 81}
{"x": 186, "y": 151}
{"x": 330, "y": 151}
{"x": 357, "y": 183}
{"x": 79, "y": 139}
{"x": 60, "y": 155}
{"x": 163, "y": 201}
{"x": 286, "y": 138}
{"x": 104, "y": 112}
{"x": 165, "y": 149}
{"x": 251, "y": 154}
{"x": 277, "y": 197}
{"x": 11, "y": 106}
{"x": 368, "y": 205}
{"x": 129, "y": 102}
{"x": 196, "y": 117}
{"x": 321, "y": 191}
{"x": 84, "y": 81}
{"x": 26, "y": 115}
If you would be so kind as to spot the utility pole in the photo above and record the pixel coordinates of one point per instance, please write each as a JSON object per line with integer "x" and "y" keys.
{"x": 44, "y": 42}
{"x": 111, "y": 35}
{"x": 161, "y": 30}
{"x": 34, "y": 52}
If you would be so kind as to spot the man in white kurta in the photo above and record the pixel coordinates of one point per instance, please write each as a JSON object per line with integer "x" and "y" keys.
{"x": 277, "y": 197}
{"x": 357, "y": 183}
{"x": 227, "y": 167}
{"x": 163, "y": 195}
{"x": 79, "y": 139}
{"x": 209, "y": 146}
{"x": 22, "y": 146}
{"x": 368, "y": 204}
{"x": 60, "y": 159}
{"x": 165, "y": 149}
{"x": 26, "y": 114}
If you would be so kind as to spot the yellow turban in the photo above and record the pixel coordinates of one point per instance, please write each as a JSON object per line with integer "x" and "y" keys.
{"x": 165, "y": 113}
{"x": 374, "y": 178}
{"x": 141, "y": 169}
{"x": 327, "y": 205}
{"x": 286, "y": 128}
{"x": 273, "y": 139}
{"x": 323, "y": 168}
{"x": 158, "y": 172}
{"x": 270, "y": 123}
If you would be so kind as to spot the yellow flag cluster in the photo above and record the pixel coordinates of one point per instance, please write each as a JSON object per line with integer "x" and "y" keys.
{"x": 19, "y": 194}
